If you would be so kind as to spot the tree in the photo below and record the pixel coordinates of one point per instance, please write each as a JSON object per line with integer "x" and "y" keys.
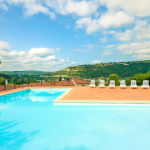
{"x": 60, "y": 78}
{"x": 113, "y": 77}
{"x": 139, "y": 78}
{"x": 2, "y": 81}
{"x": 19, "y": 81}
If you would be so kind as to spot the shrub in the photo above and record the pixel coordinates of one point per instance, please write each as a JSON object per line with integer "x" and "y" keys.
{"x": 114, "y": 77}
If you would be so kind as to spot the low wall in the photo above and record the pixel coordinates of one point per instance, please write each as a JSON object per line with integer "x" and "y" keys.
{"x": 9, "y": 87}
{"x": 47, "y": 84}
{"x": 1, "y": 88}
{"x": 18, "y": 86}
{"x": 39, "y": 84}
{"x": 34, "y": 84}
{"x": 43, "y": 84}
{"x": 82, "y": 85}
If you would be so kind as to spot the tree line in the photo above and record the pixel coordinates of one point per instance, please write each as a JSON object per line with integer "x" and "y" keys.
{"x": 138, "y": 77}
{"x": 124, "y": 69}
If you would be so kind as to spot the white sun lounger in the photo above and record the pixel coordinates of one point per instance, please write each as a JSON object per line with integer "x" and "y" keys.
{"x": 102, "y": 83}
{"x": 92, "y": 84}
{"x": 112, "y": 84}
{"x": 133, "y": 84}
{"x": 145, "y": 84}
{"x": 122, "y": 84}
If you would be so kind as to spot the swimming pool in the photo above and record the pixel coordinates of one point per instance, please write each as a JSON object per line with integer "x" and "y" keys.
{"x": 30, "y": 121}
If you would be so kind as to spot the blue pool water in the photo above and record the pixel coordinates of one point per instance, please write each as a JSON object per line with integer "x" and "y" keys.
{"x": 30, "y": 121}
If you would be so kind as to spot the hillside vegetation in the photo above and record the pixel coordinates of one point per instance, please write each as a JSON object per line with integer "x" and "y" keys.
{"x": 31, "y": 72}
{"x": 122, "y": 69}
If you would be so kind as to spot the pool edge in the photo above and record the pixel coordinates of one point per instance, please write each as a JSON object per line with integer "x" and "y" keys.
{"x": 100, "y": 102}
{"x": 63, "y": 95}
{"x": 13, "y": 92}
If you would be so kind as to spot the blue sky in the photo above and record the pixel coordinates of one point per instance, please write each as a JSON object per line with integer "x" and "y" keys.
{"x": 50, "y": 35}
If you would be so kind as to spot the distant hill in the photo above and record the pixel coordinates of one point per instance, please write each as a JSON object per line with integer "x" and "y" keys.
{"x": 7, "y": 72}
{"x": 123, "y": 69}
{"x": 31, "y": 72}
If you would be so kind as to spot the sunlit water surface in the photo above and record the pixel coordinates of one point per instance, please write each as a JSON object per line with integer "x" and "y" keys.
{"x": 30, "y": 121}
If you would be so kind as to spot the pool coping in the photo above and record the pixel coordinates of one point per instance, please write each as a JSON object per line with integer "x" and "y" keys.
{"x": 13, "y": 92}
{"x": 63, "y": 95}
{"x": 100, "y": 102}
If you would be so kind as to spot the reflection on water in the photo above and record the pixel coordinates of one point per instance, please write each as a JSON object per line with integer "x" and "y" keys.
{"x": 13, "y": 140}
{"x": 38, "y": 125}
{"x": 13, "y": 97}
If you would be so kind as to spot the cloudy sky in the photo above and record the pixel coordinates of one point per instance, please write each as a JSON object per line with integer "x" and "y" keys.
{"x": 49, "y": 35}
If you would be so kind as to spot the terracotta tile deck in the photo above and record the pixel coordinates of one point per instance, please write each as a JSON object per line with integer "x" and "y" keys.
{"x": 86, "y": 94}
{"x": 106, "y": 94}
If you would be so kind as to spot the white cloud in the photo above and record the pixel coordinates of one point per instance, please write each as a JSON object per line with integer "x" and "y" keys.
{"x": 73, "y": 63}
{"x": 79, "y": 8}
{"x": 107, "y": 20}
{"x": 124, "y": 37}
{"x": 140, "y": 32}
{"x": 31, "y": 7}
{"x": 79, "y": 50}
{"x": 110, "y": 46}
{"x": 112, "y": 32}
{"x": 103, "y": 40}
{"x": 4, "y": 7}
{"x": 138, "y": 8}
{"x": 139, "y": 50}
{"x": 118, "y": 12}
{"x": 115, "y": 19}
{"x": 41, "y": 52}
{"x": 63, "y": 7}
{"x": 82, "y": 22}
{"x": 143, "y": 51}
{"x": 88, "y": 24}
{"x": 87, "y": 8}
{"x": 89, "y": 46}
{"x": 142, "y": 57}
{"x": 57, "y": 49}
{"x": 107, "y": 52}
{"x": 4, "y": 46}
{"x": 134, "y": 46}
{"x": 34, "y": 59}
{"x": 96, "y": 62}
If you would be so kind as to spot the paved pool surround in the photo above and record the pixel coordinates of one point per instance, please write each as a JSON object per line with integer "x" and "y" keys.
{"x": 99, "y": 95}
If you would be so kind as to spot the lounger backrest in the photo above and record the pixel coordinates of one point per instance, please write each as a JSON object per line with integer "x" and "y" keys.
{"x": 133, "y": 82}
{"x": 102, "y": 82}
{"x": 146, "y": 82}
{"x": 122, "y": 82}
{"x": 112, "y": 82}
{"x": 92, "y": 82}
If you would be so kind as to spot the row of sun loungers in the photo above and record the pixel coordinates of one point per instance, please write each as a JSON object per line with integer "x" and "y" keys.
{"x": 122, "y": 84}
